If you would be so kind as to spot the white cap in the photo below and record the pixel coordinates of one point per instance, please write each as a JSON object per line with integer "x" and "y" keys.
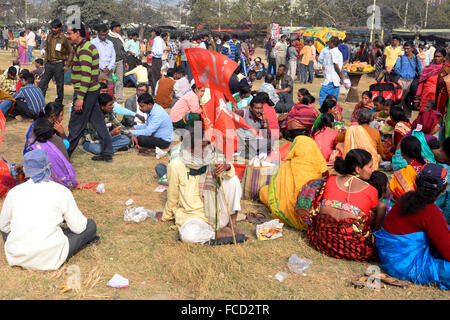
{"x": 192, "y": 82}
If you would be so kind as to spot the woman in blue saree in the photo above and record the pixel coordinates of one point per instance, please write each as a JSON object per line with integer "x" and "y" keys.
{"x": 414, "y": 243}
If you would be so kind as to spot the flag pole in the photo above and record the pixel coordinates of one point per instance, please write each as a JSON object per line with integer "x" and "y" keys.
{"x": 228, "y": 210}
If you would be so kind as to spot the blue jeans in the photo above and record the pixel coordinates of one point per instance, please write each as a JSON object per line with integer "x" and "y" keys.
{"x": 118, "y": 142}
{"x": 311, "y": 71}
{"x": 131, "y": 78}
{"x": 30, "y": 54}
{"x": 5, "y": 105}
{"x": 304, "y": 72}
{"x": 326, "y": 90}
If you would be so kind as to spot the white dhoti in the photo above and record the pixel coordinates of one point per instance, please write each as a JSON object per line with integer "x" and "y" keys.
{"x": 198, "y": 231}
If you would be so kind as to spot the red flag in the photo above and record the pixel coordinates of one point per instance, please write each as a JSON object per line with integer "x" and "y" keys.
{"x": 211, "y": 69}
{"x": 220, "y": 124}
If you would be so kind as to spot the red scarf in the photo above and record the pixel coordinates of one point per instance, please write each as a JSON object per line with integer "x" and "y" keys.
{"x": 430, "y": 71}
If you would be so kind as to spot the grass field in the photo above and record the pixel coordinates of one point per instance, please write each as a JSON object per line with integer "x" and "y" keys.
{"x": 160, "y": 267}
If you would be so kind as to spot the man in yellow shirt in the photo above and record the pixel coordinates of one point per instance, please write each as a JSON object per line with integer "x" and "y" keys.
{"x": 305, "y": 56}
{"x": 392, "y": 52}
{"x": 191, "y": 194}
{"x": 138, "y": 75}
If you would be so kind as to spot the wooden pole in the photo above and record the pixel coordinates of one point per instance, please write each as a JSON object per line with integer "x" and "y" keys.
{"x": 426, "y": 13}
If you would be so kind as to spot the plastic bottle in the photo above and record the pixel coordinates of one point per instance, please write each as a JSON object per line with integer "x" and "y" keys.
{"x": 114, "y": 77}
{"x": 13, "y": 170}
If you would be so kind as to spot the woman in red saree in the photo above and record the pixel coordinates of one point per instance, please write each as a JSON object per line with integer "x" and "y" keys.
{"x": 343, "y": 226}
{"x": 428, "y": 80}
{"x": 365, "y": 103}
{"x": 441, "y": 89}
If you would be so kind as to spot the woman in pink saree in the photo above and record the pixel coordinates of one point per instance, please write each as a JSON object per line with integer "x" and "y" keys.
{"x": 22, "y": 47}
{"x": 428, "y": 80}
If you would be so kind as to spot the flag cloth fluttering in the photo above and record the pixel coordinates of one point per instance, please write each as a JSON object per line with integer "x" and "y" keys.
{"x": 213, "y": 70}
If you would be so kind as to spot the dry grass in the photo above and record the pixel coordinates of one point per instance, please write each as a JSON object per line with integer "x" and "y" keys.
{"x": 158, "y": 266}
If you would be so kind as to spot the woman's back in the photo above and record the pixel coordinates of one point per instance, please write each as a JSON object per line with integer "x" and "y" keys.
{"x": 429, "y": 220}
{"x": 358, "y": 194}
{"x": 326, "y": 140}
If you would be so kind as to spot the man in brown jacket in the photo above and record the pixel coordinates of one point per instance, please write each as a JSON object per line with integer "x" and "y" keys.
{"x": 58, "y": 58}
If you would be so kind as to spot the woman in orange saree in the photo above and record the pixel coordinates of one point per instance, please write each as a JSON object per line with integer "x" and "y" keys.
{"x": 404, "y": 180}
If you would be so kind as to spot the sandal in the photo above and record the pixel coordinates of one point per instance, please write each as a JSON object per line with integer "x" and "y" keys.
{"x": 392, "y": 280}
{"x": 256, "y": 218}
{"x": 360, "y": 283}
{"x": 227, "y": 240}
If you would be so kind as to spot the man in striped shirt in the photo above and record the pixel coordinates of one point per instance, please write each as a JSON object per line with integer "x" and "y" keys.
{"x": 85, "y": 71}
{"x": 29, "y": 99}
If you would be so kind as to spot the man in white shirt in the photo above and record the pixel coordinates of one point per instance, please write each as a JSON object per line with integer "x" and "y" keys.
{"x": 333, "y": 72}
{"x": 181, "y": 86}
{"x": 31, "y": 41}
{"x": 157, "y": 54}
{"x": 31, "y": 229}
{"x": 107, "y": 55}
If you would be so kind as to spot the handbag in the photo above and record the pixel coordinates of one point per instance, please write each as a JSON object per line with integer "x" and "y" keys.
{"x": 411, "y": 101}
{"x": 254, "y": 179}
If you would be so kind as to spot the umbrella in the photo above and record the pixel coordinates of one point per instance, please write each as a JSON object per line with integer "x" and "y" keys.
{"x": 320, "y": 35}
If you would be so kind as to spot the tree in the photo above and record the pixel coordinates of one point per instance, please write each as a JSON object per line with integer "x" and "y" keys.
{"x": 95, "y": 11}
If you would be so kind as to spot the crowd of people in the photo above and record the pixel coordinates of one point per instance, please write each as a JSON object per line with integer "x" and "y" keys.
{"x": 331, "y": 181}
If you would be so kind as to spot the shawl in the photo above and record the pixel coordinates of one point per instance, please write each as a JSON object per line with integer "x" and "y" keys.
{"x": 202, "y": 166}
{"x": 116, "y": 36}
{"x": 430, "y": 71}
{"x": 356, "y": 137}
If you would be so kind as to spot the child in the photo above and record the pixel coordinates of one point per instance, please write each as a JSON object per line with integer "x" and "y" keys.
{"x": 39, "y": 71}
{"x": 380, "y": 182}
{"x": 430, "y": 105}
{"x": 378, "y": 104}
{"x": 388, "y": 104}
{"x": 377, "y": 110}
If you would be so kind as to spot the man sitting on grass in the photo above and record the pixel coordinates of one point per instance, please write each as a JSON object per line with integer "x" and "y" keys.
{"x": 119, "y": 136}
{"x": 157, "y": 131}
{"x": 191, "y": 193}
{"x": 132, "y": 104}
{"x": 30, "y": 100}
{"x": 6, "y": 101}
{"x": 31, "y": 229}
{"x": 8, "y": 81}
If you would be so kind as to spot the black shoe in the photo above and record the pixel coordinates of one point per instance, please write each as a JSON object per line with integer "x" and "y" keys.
{"x": 102, "y": 158}
{"x": 124, "y": 148}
